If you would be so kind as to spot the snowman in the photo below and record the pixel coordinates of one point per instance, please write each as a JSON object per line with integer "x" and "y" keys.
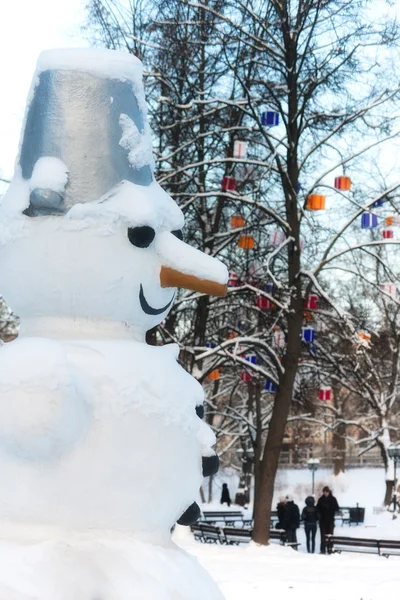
{"x": 102, "y": 443}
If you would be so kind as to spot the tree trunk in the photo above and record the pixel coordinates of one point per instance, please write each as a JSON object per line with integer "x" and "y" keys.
{"x": 270, "y": 459}
{"x": 339, "y": 449}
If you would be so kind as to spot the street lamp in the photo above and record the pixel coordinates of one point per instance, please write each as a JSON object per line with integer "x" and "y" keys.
{"x": 394, "y": 454}
{"x": 313, "y": 464}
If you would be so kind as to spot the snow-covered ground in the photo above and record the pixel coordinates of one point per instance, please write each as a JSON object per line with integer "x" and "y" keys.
{"x": 255, "y": 573}
{"x": 258, "y": 573}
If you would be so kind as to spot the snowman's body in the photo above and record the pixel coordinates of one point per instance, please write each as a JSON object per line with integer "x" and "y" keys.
{"x": 100, "y": 444}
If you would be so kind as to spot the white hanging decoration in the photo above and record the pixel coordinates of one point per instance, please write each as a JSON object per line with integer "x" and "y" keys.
{"x": 239, "y": 149}
{"x": 277, "y": 238}
{"x": 279, "y": 338}
{"x": 389, "y": 288}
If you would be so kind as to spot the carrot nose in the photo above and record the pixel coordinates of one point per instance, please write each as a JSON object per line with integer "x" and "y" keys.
{"x": 188, "y": 268}
{"x": 172, "y": 278}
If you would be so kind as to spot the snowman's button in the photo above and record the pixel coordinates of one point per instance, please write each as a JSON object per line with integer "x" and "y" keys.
{"x": 141, "y": 236}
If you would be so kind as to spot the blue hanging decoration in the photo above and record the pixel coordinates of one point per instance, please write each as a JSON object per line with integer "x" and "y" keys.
{"x": 269, "y": 118}
{"x": 270, "y": 386}
{"x": 307, "y": 335}
{"x": 378, "y": 203}
{"x": 298, "y": 187}
{"x": 211, "y": 345}
{"x": 251, "y": 358}
{"x": 368, "y": 221}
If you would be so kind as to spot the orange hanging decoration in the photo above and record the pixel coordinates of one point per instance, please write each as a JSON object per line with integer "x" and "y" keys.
{"x": 237, "y": 221}
{"x": 342, "y": 183}
{"x": 246, "y": 242}
{"x": 392, "y": 220}
{"x": 214, "y": 375}
{"x": 315, "y": 202}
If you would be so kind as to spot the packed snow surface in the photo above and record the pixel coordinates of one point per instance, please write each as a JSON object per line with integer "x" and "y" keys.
{"x": 137, "y": 144}
{"x": 255, "y": 573}
{"x": 98, "y": 61}
{"x": 49, "y": 173}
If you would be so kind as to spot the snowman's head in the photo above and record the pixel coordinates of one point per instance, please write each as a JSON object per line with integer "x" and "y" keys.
{"x": 86, "y": 233}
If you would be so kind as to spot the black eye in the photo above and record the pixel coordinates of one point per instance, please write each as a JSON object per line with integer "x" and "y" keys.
{"x": 141, "y": 236}
{"x": 178, "y": 233}
{"x": 200, "y": 411}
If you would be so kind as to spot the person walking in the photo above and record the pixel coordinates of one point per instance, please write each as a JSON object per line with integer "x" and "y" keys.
{"x": 291, "y": 521}
{"x": 327, "y": 507}
{"x": 225, "y": 496}
{"x": 310, "y": 516}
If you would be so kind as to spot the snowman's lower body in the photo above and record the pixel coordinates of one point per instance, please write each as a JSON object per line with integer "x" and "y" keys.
{"x": 102, "y": 569}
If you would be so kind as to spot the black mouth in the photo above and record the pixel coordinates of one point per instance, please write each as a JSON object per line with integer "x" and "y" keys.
{"x": 149, "y": 310}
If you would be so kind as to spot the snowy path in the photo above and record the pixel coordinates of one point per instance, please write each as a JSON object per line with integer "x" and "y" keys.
{"x": 253, "y": 573}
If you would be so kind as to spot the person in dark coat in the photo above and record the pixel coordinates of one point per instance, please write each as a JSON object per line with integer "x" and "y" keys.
{"x": 291, "y": 521}
{"x": 225, "y": 496}
{"x": 327, "y": 507}
{"x": 280, "y": 509}
{"x": 310, "y": 516}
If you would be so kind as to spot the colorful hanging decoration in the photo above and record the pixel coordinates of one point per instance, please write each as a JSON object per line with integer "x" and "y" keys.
{"x": 246, "y": 242}
{"x": 316, "y": 202}
{"x": 251, "y": 358}
{"x": 378, "y": 203}
{"x": 279, "y": 338}
{"x": 270, "y": 386}
{"x": 264, "y": 303}
{"x": 298, "y": 187}
{"x": 233, "y": 280}
{"x": 392, "y": 220}
{"x": 369, "y": 221}
{"x": 311, "y": 302}
{"x": 308, "y": 316}
{"x": 342, "y": 183}
{"x": 239, "y": 149}
{"x": 325, "y": 393}
{"x": 307, "y": 334}
{"x": 237, "y": 221}
{"x": 388, "y": 234}
{"x": 364, "y": 338}
{"x": 245, "y": 376}
{"x": 389, "y": 288}
{"x": 269, "y": 118}
{"x": 231, "y": 335}
{"x": 229, "y": 184}
{"x": 277, "y": 238}
{"x": 214, "y": 375}
{"x": 211, "y": 345}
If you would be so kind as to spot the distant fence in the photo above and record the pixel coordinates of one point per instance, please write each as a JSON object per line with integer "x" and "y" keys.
{"x": 291, "y": 458}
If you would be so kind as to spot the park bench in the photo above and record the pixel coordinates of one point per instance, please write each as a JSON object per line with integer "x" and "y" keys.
{"x": 206, "y": 533}
{"x": 384, "y": 548}
{"x": 228, "y": 517}
{"x": 233, "y": 535}
{"x": 243, "y": 536}
{"x": 274, "y": 518}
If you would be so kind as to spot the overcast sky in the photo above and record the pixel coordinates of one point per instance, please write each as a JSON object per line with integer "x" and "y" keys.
{"x": 26, "y": 28}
